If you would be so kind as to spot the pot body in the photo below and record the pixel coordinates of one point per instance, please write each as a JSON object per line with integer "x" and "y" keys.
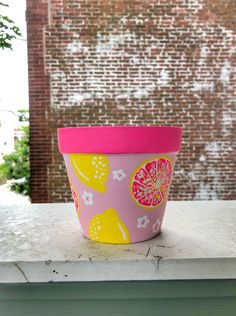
{"x": 120, "y": 198}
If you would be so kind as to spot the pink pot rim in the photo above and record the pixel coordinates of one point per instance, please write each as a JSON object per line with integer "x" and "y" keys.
{"x": 119, "y": 139}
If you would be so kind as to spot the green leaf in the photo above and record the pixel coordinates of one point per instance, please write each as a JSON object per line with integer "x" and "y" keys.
{"x": 6, "y": 18}
{"x": 16, "y": 30}
{"x": 4, "y": 4}
{"x": 8, "y": 30}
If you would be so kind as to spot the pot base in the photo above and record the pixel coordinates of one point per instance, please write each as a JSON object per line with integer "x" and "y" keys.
{"x": 126, "y": 243}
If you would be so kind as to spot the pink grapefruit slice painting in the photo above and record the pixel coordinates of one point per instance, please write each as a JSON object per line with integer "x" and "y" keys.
{"x": 150, "y": 182}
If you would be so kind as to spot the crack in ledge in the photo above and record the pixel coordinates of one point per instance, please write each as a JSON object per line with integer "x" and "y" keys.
{"x": 149, "y": 248}
{"x": 158, "y": 260}
{"x": 22, "y": 272}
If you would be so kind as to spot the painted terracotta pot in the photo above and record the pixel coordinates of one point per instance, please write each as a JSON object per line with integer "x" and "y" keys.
{"x": 120, "y": 178}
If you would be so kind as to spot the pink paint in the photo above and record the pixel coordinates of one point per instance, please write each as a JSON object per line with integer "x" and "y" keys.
{"x": 119, "y": 139}
{"x": 136, "y": 186}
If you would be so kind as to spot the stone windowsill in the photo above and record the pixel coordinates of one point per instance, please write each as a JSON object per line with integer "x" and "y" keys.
{"x": 43, "y": 243}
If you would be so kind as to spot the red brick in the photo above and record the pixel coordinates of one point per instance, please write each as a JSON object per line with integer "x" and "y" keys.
{"x": 134, "y": 63}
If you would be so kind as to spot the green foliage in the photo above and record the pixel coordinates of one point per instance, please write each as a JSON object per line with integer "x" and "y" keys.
{"x": 8, "y": 30}
{"x": 2, "y": 176}
{"x": 23, "y": 115}
{"x": 16, "y": 165}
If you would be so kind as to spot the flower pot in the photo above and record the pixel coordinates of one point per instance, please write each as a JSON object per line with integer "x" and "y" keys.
{"x": 120, "y": 178}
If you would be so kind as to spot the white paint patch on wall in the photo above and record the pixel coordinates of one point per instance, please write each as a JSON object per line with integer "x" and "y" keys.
{"x": 107, "y": 50}
{"x": 203, "y": 54}
{"x": 142, "y": 73}
{"x": 108, "y": 69}
{"x": 225, "y": 73}
{"x": 143, "y": 92}
{"x": 107, "y": 44}
{"x": 210, "y": 181}
{"x": 78, "y": 97}
{"x": 77, "y": 47}
{"x": 205, "y": 192}
{"x": 58, "y": 75}
{"x": 124, "y": 95}
{"x": 192, "y": 176}
{"x": 213, "y": 148}
{"x": 228, "y": 117}
{"x": 163, "y": 80}
{"x": 194, "y": 5}
{"x": 202, "y": 158}
{"x": 201, "y": 86}
{"x": 140, "y": 92}
{"x": 204, "y": 83}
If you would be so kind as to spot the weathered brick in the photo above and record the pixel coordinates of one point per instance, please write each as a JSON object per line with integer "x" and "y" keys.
{"x": 110, "y": 62}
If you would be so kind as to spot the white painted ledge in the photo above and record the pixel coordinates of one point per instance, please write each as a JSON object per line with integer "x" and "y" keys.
{"x": 43, "y": 243}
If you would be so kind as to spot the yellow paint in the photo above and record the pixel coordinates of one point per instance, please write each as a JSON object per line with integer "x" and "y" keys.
{"x": 107, "y": 227}
{"x": 91, "y": 169}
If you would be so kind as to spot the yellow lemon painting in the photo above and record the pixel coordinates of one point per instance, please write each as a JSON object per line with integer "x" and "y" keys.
{"x": 107, "y": 227}
{"x": 91, "y": 169}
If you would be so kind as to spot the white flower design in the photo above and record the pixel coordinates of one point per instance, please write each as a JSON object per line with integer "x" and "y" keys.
{"x": 156, "y": 226}
{"x": 118, "y": 174}
{"x": 142, "y": 222}
{"x": 87, "y": 198}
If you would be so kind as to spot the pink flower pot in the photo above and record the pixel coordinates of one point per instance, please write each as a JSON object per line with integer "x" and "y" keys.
{"x": 120, "y": 178}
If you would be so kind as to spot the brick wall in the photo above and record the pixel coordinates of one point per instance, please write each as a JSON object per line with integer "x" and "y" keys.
{"x": 136, "y": 62}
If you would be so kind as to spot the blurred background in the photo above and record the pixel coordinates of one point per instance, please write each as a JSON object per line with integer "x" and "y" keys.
{"x": 110, "y": 62}
{"x": 14, "y": 105}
